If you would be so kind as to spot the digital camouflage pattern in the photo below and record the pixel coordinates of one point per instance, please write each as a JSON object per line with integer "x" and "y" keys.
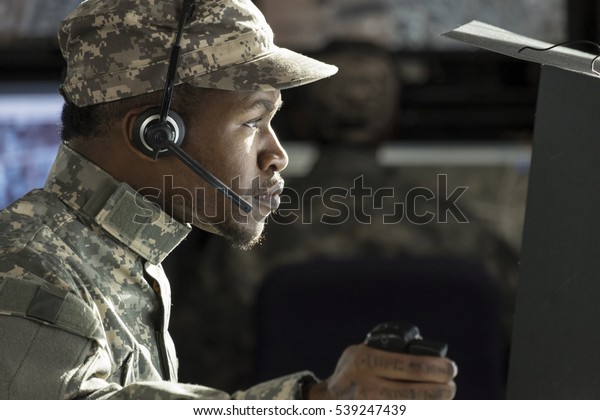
{"x": 84, "y": 301}
{"x": 120, "y": 48}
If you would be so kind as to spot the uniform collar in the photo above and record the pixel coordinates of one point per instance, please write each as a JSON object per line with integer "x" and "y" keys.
{"x": 115, "y": 206}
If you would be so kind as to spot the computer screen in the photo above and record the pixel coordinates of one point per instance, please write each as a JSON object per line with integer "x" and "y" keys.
{"x": 29, "y": 136}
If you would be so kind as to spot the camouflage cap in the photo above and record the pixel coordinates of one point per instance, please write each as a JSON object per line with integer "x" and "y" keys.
{"x": 116, "y": 49}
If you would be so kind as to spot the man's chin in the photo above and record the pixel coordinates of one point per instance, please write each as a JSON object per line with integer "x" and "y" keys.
{"x": 244, "y": 245}
{"x": 242, "y": 236}
{"x": 244, "y": 239}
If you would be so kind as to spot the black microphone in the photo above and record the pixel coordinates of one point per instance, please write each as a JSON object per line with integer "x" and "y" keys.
{"x": 403, "y": 337}
{"x": 184, "y": 157}
{"x": 210, "y": 178}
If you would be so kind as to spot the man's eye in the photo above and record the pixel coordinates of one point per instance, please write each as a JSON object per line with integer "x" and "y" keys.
{"x": 253, "y": 124}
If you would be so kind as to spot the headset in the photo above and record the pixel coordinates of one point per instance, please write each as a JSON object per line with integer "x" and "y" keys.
{"x": 159, "y": 131}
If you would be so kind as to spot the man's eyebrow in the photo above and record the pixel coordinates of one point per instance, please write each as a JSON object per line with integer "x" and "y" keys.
{"x": 266, "y": 104}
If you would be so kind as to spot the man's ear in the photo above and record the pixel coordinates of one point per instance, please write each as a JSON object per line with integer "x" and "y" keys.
{"x": 127, "y": 124}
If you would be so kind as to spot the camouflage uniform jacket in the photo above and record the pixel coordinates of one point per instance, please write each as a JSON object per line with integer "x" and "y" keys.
{"x": 84, "y": 302}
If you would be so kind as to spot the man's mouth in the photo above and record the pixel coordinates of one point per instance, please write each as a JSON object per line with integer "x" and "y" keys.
{"x": 270, "y": 197}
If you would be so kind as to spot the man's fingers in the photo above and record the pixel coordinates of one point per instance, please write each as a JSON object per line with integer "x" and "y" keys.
{"x": 403, "y": 367}
{"x": 399, "y": 390}
{"x": 381, "y": 389}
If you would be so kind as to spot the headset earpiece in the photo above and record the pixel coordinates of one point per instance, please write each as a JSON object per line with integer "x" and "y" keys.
{"x": 148, "y": 133}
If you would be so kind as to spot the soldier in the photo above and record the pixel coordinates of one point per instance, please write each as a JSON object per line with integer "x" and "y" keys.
{"x": 84, "y": 302}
